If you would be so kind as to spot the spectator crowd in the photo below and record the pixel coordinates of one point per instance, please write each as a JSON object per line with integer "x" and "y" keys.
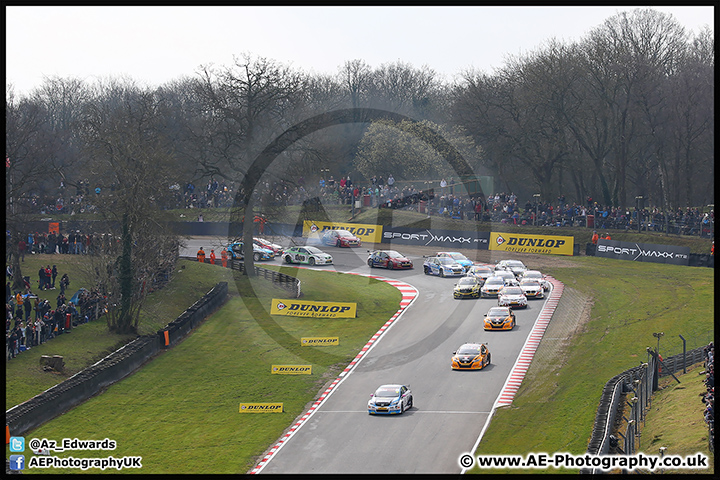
{"x": 31, "y": 319}
{"x": 442, "y": 198}
{"x": 708, "y": 397}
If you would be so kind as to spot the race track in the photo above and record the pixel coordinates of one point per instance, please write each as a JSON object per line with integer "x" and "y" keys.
{"x": 450, "y": 408}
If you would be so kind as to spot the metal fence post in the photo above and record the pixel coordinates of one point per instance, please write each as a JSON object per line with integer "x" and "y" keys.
{"x": 684, "y": 353}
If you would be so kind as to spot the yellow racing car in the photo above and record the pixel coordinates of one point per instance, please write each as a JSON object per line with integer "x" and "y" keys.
{"x": 471, "y": 356}
{"x": 467, "y": 287}
{"x": 499, "y": 318}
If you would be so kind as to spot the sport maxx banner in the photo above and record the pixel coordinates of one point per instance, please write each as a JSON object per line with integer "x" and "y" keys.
{"x": 643, "y": 252}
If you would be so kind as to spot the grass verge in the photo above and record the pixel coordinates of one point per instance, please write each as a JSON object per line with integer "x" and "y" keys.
{"x": 675, "y": 419}
{"x": 90, "y": 342}
{"x": 182, "y": 408}
{"x": 555, "y": 407}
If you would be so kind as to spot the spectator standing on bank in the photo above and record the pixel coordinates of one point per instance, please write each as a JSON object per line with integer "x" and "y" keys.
{"x": 58, "y": 320}
{"x": 76, "y": 243}
{"x": 53, "y": 273}
{"x": 52, "y": 243}
{"x": 28, "y": 308}
{"x": 64, "y": 282}
{"x": 14, "y": 334}
{"x": 48, "y": 276}
{"x": 22, "y": 246}
{"x": 39, "y": 331}
{"x": 19, "y": 304}
{"x": 37, "y": 305}
{"x": 41, "y": 278}
{"x": 29, "y": 335}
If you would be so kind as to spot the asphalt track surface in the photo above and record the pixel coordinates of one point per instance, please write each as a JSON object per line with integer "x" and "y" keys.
{"x": 450, "y": 408}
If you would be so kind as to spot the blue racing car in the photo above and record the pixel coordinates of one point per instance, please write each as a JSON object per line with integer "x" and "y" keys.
{"x": 443, "y": 266}
{"x": 458, "y": 257}
{"x": 390, "y": 399}
{"x": 236, "y": 252}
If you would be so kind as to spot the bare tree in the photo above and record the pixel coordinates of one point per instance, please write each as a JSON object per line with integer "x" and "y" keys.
{"x": 251, "y": 102}
{"x": 32, "y": 152}
{"x": 514, "y": 116}
{"x": 129, "y": 155}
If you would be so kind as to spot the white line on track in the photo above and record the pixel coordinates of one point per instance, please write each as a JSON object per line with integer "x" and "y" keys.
{"x": 413, "y": 412}
{"x": 409, "y": 294}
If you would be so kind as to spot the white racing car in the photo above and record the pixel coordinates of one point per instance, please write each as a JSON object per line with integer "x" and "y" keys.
{"x": 512, "y": 296}
{"x": 308, "y": 254}
{"x": 390, "y": 399}
{"x": 536, "y": 275}
{"x": 532, "y": 288}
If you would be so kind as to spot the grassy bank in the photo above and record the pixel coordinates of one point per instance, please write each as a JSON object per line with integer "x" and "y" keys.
{"x": 555, "y": 406}
{"x": 181, "y": 411}
{"x": 675, "y": 419}
{"x": 90, "y": 342}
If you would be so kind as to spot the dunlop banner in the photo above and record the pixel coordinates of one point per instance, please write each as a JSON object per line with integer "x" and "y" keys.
{"x": 261, "y": 408}
{"x": 643, "y": 252}
{"x": 366, "y": 233}
{"x": 303, "y": 308}
{"x": 291, "y": 369}
{"x": 319, "y": 341}
{"x": 513, "y": 242}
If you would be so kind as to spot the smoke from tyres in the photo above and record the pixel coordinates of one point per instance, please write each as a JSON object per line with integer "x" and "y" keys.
{"x": 244, "y": 201}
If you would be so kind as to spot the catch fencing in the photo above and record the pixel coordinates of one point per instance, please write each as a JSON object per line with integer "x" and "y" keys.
{"x": 640, "y": 382}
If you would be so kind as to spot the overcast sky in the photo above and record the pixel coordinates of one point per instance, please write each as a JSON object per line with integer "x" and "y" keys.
{"x": 154, "y": 45}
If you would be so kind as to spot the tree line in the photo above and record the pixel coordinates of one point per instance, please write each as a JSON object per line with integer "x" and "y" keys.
{"x": 626, "y": 111}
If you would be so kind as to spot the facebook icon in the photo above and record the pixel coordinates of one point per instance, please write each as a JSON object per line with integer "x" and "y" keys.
{"x": 17, "y": 462}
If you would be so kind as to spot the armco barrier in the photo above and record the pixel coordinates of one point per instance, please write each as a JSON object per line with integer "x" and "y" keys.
{"x": 641, "y": 381}
{"x": 114, "y": 367}
{"x": 288, "y": 282}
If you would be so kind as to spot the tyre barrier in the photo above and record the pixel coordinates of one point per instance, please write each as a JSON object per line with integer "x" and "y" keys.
{"x": 114, "y": 367}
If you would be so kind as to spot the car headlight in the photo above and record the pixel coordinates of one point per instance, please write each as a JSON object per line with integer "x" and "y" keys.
{"x": 395, "y": 402}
